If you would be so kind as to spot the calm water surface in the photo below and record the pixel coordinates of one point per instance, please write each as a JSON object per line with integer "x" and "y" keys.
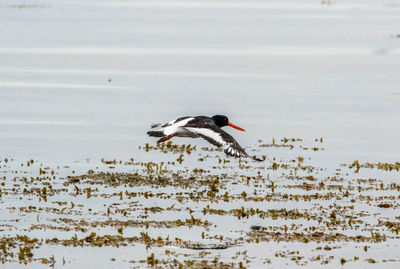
{"x": 84, "y": 80}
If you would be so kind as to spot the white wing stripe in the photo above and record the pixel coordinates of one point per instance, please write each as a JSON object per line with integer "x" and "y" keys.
{"x": 230, "y": 147}
{"x": 209, "y": 133}
{"x": 174, "y": 127}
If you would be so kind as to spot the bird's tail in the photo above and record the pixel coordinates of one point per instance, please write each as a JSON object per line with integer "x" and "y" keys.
{"x": 156, "y": 133}
{"x": 155, "y": 125}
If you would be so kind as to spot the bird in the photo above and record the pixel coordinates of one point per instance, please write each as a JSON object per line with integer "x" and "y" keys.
{"x": 208, "y": 128}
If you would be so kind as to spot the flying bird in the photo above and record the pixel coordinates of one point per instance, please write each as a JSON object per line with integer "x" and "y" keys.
{"x": 201, "y": 126}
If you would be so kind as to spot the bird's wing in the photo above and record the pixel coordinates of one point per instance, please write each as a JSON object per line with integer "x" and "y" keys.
{"x": 219, "y": 138}
{"x": 172, "y": 122}
{"x": 168, "y": 128}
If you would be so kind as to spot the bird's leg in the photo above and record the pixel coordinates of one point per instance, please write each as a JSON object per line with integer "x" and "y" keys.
{"x": 165, "y": 138}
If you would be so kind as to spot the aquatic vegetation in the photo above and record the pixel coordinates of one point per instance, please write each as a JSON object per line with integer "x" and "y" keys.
{"x": 381, "y": 166}
{"x": 172, "y": 207}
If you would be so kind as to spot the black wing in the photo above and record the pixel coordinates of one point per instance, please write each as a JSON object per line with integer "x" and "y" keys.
{"x": 218, "y": 137}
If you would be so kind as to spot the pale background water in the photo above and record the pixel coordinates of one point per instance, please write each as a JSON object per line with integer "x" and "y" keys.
{"x": 86, "y": 79}
{"x": 277, "y": 68}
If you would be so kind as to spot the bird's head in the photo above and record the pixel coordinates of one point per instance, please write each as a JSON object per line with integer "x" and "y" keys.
{"x": 221, "y": 121}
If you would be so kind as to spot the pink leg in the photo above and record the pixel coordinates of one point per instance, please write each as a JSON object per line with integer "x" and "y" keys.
{"x": 165, "y": 138}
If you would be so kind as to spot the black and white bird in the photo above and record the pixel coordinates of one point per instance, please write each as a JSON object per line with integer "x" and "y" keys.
{"x": 201, "y": 126}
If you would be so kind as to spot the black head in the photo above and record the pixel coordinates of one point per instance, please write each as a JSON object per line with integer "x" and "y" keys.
{"x": 220, "y": 120}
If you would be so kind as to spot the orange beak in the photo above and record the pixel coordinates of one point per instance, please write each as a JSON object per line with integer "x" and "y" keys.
{"x": 236, "y": 127}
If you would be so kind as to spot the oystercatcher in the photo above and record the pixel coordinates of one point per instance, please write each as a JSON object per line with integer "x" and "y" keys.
{"x": 201, "y": 126}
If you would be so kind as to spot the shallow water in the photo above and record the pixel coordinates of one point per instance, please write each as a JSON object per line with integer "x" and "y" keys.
{"x": 84, "y": 81}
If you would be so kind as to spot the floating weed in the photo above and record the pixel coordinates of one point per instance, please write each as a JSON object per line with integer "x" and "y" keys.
{"x": 381, "y": 166}
{"x": 169, "y": 147}
{"x": 370, "y": 260}
{"x": 125, "y": 203}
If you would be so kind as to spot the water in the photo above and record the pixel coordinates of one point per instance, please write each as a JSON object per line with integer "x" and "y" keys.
{"x": 81, "y": 81}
